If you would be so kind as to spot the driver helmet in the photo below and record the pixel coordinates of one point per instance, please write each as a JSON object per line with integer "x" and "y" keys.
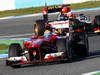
{"x": 71, "y": 15}
{"x": 65, "y": 10}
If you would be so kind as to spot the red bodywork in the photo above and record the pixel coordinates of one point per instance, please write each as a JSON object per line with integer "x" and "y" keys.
{"x": 35, "y": 43}
{"x": 96, "y": 29}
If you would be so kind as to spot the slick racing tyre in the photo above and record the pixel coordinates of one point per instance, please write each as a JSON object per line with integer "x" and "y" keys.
{"x": 85, "y": 45}
{"x": 64, "y": 45}
{"x": 14, "y": 50}
{"x": 39, "y": 28}
{"x": 81, "y": 46}
{"x": 97, "y": 20}
{"x": 60, "y": 43}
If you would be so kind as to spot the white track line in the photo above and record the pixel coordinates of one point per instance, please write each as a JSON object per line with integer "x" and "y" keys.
{"x": 18, "y": 35}
{"x": 91, "y": 73}
{"x": 3, "y": 55}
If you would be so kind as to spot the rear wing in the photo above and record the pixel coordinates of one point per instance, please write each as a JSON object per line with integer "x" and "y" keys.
{"x": 52, "y": 9}
{"x": 56, "y": 8}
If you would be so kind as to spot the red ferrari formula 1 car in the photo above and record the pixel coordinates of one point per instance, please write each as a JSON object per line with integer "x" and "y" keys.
{"x": 53, "y": 41}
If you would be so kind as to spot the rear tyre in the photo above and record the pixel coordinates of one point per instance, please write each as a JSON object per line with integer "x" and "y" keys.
{"x": 60, "y": 43}
{"x": 39, "y": 28}
{"x": 97, "y": 20}
{"x": 70, "y": 50}
{"x": 64, "y": 45}
{"x": 96, "y": 23}
{"x": 81, "y": 47}
{"x": 86, "y": 45}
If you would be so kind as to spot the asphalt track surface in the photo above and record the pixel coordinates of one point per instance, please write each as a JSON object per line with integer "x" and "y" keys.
{"x": 77, "y": 67}
{"x": 25, "y": 25}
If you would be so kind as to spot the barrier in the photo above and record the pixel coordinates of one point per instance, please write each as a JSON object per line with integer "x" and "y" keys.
{"x": 7, "y": 5}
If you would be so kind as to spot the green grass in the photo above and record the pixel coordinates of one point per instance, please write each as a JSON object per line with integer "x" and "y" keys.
{"x": 33, "y": 10}
{"x": 4, "y": 45}
{"x": 17, "y": 12}
{"x": 89, "y": 4}
{"x": 97, "y": 73}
